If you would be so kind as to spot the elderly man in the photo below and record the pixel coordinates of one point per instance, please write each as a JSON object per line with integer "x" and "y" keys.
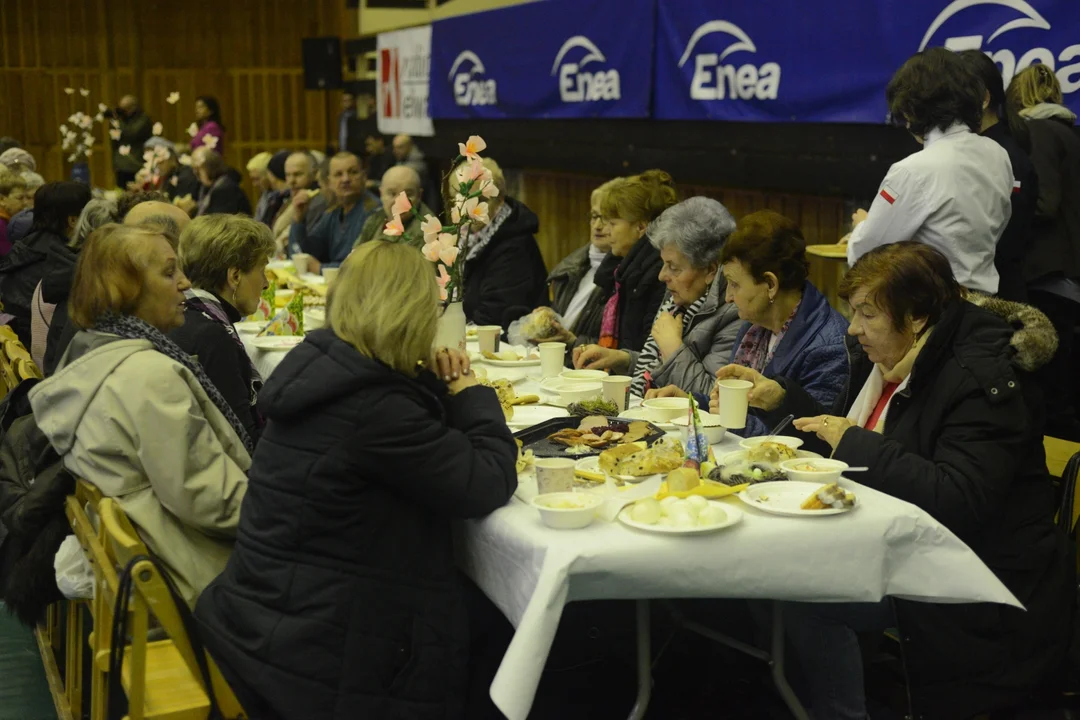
{"x": 299, "y": 175}
{"x": 332, "y": 239}
{"x": 135, "y": 129}
{"x": 397, "y": 180}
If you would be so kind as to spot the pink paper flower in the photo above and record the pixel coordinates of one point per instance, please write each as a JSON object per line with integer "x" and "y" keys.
{"x": 490, "y": 191}
{"x": 173, "y": 98}
{"x": 476, "y": 211}
{"x": 431, "y": 227}
{"x": 442, "y": 278}
{"x": 431, "y": 250}
{"x": 448, "y": 254}
{"x": 455, "y": 214}
{"x": 158, "y": 128}
{"x": 401, "y": 206}
{"x": 395, "y": 227}
{"x": 193, "y": 130}
{"x": 124, "y": 150}
{"x": 472, "y": 147}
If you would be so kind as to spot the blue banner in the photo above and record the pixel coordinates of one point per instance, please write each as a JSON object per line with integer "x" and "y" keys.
{"x": 553, "y": 59}
{"x": 830, "y": 60}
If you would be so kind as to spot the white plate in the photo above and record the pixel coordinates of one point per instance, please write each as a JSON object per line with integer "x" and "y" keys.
{"x": 277, "y": 343}
{"x": 529, "y": 415}
{"x": 555, "y": 384}
{"x": 251, "y": 327}
{"x": 640, "y": 413}
{"x": 738, "y": 456}
{"x": 785, "y": 497}
{"x": 592, "y": 464}
{"x": 505, "y": 363}
{"x": 732, "y": 515}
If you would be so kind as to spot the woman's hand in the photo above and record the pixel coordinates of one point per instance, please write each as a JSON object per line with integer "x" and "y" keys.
{"x": 765, "y": 395}
{"x": 453, "y": 367}
{"x": 827, "y": 427}
{"x": 667, "y": 331}
{"x": 594, "y": 357}
{"x": 669, "y": 391}
{"x": 558, "y": 334}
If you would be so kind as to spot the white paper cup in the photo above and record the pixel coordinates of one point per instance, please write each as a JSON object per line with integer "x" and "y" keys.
{"x": 554, "y": 475}
{"x": 733, "y": 401}
{"x": 301, "y": 261}
{"x": 617, "y": 389}
{"x": 330, "y": 274}
{"x": 488, "y": 335}
{"x": 551, "y": 358}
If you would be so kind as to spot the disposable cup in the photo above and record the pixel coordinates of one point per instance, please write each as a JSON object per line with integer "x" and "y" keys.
{"x": 330, "y": 274}
{"x": 554, "y": 475}
{"x": 617, "y": 390}
{"x": 733, "y": 400}
{"x": 551, "y": 358}
{"x": 300, "y": 262}
{"x": 488, "y": 335}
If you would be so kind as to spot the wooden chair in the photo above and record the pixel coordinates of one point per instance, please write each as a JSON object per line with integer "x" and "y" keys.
{"x": 152, "y": 595}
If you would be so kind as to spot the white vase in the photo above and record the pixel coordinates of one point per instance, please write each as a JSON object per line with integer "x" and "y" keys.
{"x": 450, "y": 332}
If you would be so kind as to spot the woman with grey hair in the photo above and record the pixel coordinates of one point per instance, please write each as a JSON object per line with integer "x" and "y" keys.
{"x": 694, "y": 331}
{"x": 55, "y": 285}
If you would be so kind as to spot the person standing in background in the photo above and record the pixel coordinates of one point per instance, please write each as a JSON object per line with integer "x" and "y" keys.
{"x": 135, "y": 129}
{"x": 378, "y": 159}
{"x": 348, "y": 112}
{"x": 955, "y": 193}
{"x": 208, "y": 122}
{"x": 1005, "y": 127}
{"x": 1052, "y": 266}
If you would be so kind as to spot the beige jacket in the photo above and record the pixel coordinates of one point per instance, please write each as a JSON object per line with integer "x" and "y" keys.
{"x": 138, "y": 425}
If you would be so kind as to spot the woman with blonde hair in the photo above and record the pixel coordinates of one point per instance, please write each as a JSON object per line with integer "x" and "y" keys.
{"x": 1052, "y": 262}
{"x": 225, "y": 258}
{"x": 342, "y": 592}
{"x": 135, "y": 415}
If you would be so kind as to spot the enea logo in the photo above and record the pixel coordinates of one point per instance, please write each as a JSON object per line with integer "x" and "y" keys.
{"x": 1068, "y": 75}
{"x": 468, "y": 88}
{"x": 577, "y": 85}
{"x": 715, "y": 81}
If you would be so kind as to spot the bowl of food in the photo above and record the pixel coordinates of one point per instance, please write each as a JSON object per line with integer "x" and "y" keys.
{"x": 579, "y": 375}
{"x": 752, "y": 442}
{"x": 576, "y": 392}
{"x": 669, "y": 408}
{"x": 710, "y": 424}
{"x": 567, "y": 510}
{"x": 823, "y": 471}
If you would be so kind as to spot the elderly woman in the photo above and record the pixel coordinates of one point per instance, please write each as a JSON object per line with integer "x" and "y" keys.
{"x": 219, "y": 192}
{"x": 135, "y": 415}
{"x": 224, "y": 257}
{"x": 694, "y": 330}
{"x": 942, "y": 412}
{"x": 790, "y": 330}
{"x": 504, "y": 273}
{"x": 55, "y": 286}
{"x": 582, "y": 282}
{"x": 342, "y": 592}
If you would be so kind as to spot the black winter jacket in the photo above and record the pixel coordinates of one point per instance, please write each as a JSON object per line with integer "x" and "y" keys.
{"x": 341, "y": 599}
{"x": 1016, "y": 240}
{"x": 226, "y": 198}
{"x": 507, "y": 277}
{"x": 1055, "y": 151}
{"x": 964, "y": 442}
{"x": 20, "y": 272}
{"x": 56, "y": 289}
{"x": 640, "y": 294}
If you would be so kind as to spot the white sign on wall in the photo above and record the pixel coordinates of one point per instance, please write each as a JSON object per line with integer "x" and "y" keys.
{"x": 402, "y": 66}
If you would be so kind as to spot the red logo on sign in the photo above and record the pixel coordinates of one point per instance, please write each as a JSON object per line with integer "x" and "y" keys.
{"x": 390, "y": 83}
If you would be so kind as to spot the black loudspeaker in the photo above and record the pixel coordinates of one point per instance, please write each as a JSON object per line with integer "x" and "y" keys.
{"x": 322, "y": 63}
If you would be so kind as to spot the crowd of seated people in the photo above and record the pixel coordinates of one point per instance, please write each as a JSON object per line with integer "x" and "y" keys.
{"x": 306, "y": 517}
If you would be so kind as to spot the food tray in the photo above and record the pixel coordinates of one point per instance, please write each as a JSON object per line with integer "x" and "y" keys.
{"x": 535, "y": 438}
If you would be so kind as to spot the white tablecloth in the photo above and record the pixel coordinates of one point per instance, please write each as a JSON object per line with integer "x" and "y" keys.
{"x": 885, "y": 547}
{"x": 266, "y": 360}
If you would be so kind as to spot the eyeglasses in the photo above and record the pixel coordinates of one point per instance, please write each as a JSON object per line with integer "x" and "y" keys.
{"x": 598, "y": 218}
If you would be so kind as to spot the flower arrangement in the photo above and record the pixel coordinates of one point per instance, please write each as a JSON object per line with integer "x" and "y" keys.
{"x": 473, "y": 186}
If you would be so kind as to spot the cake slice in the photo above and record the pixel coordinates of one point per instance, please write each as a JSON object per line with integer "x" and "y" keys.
{"x": 828, "y": 497}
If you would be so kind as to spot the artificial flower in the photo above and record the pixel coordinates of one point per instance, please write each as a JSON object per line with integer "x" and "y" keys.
{"x": 115, "y": 123}
{"x": 193, "y": 130}
{"x": 431, "y": 250}
{"x": 124, "y": 150}
{"x": 63, "y": 130}
{"x": 69, "y": 91}
{"x": 401, "y": 206}
{"x": 114, "y": 134}
{"x": 431, "y": 227}
{"x": 185, "y": 159}
{"x": 71, "y": 158}
{"x": 89, "y": 152}
{"x": 448, "y": 254}
{"x": 472, "y": 147}
{"x": 395, "y": 227}
{"x": 160, "y": 153}
{"x": 490, "y": 191}
{"x": 102, "y": 107}
{"x": 442, "y": 278}
{"x": 99, "y": 118}
{"x": 476, "y": 211}
{"x": 175, "y": 180}
{"x": 210, "y": 141}
{"x": 455, "y": 213}
{"x": 84, "y": 92}
{"x": 173, "y": 98}
{"x": 148, "y": 156}
{"x": 87, "y": 122}
{"x": 158, "y": 128}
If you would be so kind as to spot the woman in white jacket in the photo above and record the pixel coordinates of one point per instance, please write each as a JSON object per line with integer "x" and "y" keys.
{"x": 133, "y": 414}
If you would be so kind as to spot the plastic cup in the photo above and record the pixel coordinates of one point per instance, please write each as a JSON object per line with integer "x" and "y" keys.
{"x": 300, "y": 262}
{"x": 733, "y": 399}
{"x": 554, "y": 475}
{"x": 617, "y": 390}
{"x": 330, "y": 274}
{"x": 488, "y": 335}
{"x": 551, "y": 358}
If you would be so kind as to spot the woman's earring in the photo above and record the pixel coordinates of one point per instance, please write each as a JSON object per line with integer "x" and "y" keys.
{"x": 234, "y": 296}
{"x": 772, "y": 300}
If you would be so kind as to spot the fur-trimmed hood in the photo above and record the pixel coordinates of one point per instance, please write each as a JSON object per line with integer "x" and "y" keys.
{"x": 1034, "y": 338}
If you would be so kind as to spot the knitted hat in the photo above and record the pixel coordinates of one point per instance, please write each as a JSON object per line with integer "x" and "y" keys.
{"x": 276, "y": 166}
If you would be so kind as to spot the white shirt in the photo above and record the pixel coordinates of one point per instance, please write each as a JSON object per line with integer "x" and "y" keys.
{"x": 585, "y": 288}
{"x": 954, "y": 195}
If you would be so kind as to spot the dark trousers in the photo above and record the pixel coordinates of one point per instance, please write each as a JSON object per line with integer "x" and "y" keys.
{"x": 1058, "y": 377}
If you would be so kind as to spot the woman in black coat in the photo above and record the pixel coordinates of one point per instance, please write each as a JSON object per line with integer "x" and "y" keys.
{"x": 341, "y": 599}
{"x": 942, "y": 412}
{"x": 225, "y": 258}
{"x": 220, "y": 192}
{"x": 56, "y": 210}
